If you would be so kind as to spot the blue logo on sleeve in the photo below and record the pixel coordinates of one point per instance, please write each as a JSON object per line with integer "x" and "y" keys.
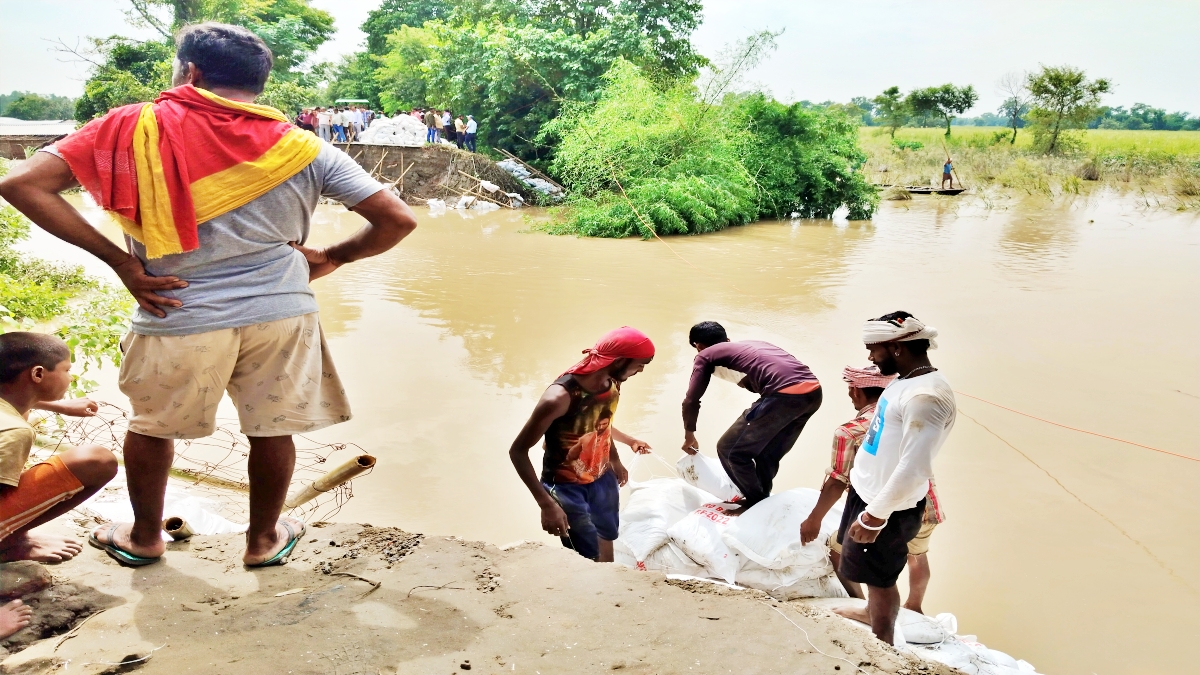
{"x": 876, "y": 430}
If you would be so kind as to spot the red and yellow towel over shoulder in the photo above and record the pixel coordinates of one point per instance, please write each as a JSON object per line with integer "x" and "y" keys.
{"x": 163, "y": 168}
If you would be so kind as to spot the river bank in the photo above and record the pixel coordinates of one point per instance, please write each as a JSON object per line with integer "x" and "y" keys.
{"x": 446, "y": 343}
{"x": 362, "y": 599}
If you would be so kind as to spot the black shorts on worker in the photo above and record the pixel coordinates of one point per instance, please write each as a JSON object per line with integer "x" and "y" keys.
{"x": 880, "y": 562}
{"x": 751, "y": 449}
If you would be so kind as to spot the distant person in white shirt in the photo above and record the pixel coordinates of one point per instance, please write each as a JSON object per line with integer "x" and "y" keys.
{"x": 325, "y": 124}
{"x": 891, "y": 474}
{"x": 472, "y": 128}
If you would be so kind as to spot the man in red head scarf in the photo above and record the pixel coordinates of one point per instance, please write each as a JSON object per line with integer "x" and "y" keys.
{"x": 578, "y": 490}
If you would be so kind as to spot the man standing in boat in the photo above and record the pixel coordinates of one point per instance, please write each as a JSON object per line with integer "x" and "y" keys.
{"x": 214, "y": 193}
{"x": 893, "y": 468}
{"x": 579, "y": 489}
{"x": 947, "y": 174}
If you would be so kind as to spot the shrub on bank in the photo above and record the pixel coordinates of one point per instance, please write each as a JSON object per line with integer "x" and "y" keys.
{"x": 650, "y": 159}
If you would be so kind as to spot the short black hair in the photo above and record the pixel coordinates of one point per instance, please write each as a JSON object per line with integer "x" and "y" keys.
{"x": 707, "y": 333}
{"x": 915, "y": 347}
{"x": 228, "y": 56}
{"x": 21, "y": 351}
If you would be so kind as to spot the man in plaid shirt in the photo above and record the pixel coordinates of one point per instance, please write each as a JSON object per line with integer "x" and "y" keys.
{"x": 866, "y": 386}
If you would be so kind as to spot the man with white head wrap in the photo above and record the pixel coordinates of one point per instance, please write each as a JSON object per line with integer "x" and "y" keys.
{"x": 865, "y": 386}
{"x": 893, "y": 469}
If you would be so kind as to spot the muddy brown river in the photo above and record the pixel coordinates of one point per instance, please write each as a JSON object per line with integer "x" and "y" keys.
{"x": 1077, "y": 553}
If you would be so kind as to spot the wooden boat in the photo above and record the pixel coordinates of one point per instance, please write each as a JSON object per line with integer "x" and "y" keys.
{"x": 924, "y": 190}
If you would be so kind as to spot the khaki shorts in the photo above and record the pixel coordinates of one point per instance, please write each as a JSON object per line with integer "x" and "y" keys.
{"x": 919, "y": 545}
{"x": 279, "y": 375}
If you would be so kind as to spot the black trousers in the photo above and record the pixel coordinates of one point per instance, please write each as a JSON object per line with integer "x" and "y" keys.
{"x": 752, "y": 448}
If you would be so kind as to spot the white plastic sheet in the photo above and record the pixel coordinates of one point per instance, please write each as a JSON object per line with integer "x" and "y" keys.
{"x": 201, "y": 514}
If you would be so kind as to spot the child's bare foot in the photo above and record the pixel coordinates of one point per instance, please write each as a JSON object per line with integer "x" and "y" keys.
{"x": 42, "y": 547}
{"x": 13, "y": 617}
{"x": 859, "y": 614}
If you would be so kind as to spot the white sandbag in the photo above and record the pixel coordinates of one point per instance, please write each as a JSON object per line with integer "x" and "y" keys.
{"x": 666, "y": 558}
{"x": 922, "y": 630}
{"x": 436, "y": 206}
{"x": 769, "y": 533}
{"x": 707, "y": 474}
{"x": 698, "y": 535}
{"x": 973, "y": 658}
{"x": 652, "y": 507}
{"x": 789, "y": 584}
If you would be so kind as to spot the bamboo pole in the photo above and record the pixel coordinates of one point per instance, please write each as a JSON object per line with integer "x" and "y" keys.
{"x": 509, "y": 204}
{"x": 332, "y": 479}
{"x": 475, "y": 194}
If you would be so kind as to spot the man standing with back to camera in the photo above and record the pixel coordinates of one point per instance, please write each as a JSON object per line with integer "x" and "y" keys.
{"x": 215, "y": 196}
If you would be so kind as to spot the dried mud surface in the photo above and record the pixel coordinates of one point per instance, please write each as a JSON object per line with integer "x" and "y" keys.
{"x": 360, "y": 599}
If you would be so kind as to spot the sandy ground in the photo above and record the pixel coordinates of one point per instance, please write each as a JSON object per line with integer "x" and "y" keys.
{"x": 358, "y": 599}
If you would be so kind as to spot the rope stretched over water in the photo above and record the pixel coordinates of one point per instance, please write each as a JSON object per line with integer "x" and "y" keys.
{"x": 1082, "y": 431}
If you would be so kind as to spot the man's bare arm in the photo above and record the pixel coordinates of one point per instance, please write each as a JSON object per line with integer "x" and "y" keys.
{"x": 33, "y": 187}
{"x": 389, "y": 220}
{"x": 831, "y": 492}
{"x": 553, "y": 404}
{"x": 640, "y": 447}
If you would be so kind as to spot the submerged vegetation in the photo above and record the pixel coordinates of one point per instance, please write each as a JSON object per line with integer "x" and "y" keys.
{"x": 1162, "y": 163}
{"x": 85, "y": 312}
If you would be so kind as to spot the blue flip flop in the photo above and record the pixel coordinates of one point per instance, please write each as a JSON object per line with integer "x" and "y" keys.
{"x": 281, "y": 557}
{"x": 116, "y": 552}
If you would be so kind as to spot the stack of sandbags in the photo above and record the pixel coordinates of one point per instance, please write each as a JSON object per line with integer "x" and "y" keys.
{"x": 671, "y": 525}
{"x": 403, "y": 130}
{"x": 767, "y": 539}
{"x": 648, "y": 513}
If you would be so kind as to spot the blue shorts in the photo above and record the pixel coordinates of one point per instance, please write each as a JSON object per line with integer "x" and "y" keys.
{"x": 592, "y": 512}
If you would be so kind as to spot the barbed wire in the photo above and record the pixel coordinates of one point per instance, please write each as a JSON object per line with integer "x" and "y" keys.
{"x": 213, "y": 467}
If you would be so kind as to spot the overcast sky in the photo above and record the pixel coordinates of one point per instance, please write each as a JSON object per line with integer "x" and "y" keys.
{"x": 830, "y": 50}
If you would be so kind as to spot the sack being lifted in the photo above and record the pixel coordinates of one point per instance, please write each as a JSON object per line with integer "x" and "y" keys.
{"x": 707, "y": 474}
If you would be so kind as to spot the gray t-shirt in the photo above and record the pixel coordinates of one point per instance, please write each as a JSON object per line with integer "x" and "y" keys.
{"x": 244, "y": 271}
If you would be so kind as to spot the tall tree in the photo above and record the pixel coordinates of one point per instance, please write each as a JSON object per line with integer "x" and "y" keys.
{"x": 391, "y": 15}
{"x": 1062, "y": 98}
{"x": 1016, "y": 101}
{"x": 291, "y": 28}
{"x": 946, "y": 101}
{"x": 893, "y": 110}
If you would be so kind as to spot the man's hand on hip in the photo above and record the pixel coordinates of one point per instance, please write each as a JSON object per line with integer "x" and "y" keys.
{"x": 319, "y": 263}
{"x": 144, "y": 288}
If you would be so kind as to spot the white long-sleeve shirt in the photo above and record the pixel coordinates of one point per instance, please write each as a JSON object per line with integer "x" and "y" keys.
{"x": 895, "y": 463}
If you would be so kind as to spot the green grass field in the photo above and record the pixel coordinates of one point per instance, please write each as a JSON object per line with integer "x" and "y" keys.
{"x": 1102, "y": 141}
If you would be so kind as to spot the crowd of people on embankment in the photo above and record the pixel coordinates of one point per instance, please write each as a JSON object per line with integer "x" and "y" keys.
{"x": 344, "y": 124}
{"x": 215, "y": 256}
